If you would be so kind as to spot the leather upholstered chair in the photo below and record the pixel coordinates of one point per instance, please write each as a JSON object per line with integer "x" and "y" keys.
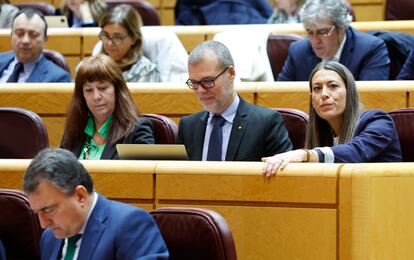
{"x": 57, "y": 58}
{"x": 404, "y": 124}
{"x": 277, "y": 50}
{"x": 22, "y": 133}
{"x": 399, "y": 10}
{"x": 296, "y": 122}
{"x": 165, "y": 129}
{"x": 147, "y": 11}
{"x": 194, "y": 233}
{"x": 43, "y": 7}
{"x": 19, "y": 226}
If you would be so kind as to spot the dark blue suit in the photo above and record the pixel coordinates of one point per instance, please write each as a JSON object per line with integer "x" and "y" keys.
{"x": 44, "y": 71}
{"x": 207, "y": 12}
{"x": 2, "y": 252}
{"x": 375, "y": 140}
{"x": 114, "y": 231}
{"x": 407, "y": 71}
{"x": 256, "y": 132}
{"x": 364, "y": 55}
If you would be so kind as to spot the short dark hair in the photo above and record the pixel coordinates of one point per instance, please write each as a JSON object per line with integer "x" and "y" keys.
{"x": 30, "y": 12}
{"x": 61, "y": 168}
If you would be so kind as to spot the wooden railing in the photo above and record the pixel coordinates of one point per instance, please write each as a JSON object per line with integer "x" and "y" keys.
{"x": 77, "y": 43}
{"x": 50, "y": 100}
{"x": 308, "y": 211}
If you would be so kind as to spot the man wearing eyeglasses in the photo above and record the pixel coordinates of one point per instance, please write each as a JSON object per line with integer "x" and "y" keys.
{"x": 27, "y": 63}
{"x": 229, "y": 129}
{"x": 331, "y": 38}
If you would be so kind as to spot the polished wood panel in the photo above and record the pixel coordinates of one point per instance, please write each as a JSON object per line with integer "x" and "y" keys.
{"x": 128, "y": 181}
{"x": 308, "y": 211}
{"x": 77, "y": 43}
{"x": 268, "y": 217}
{"x": 381, "y": 210}
{"x": 50, "y": 100}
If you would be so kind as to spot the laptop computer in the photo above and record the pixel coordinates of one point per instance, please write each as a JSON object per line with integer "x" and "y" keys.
{"x": 57, "y": 21}
{"x": 151, "y": 152}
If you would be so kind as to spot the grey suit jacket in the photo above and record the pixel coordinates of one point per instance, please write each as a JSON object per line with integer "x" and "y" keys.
{"x": 44, "y": 71}
{"x": 256, "y": 132}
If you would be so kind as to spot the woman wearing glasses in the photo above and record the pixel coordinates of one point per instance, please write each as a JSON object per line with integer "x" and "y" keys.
{"x": 330, "y": 37}
{"x": 338, "y": 130}
{"x": 122, "y": 40}
{"x": 102, "y": 113}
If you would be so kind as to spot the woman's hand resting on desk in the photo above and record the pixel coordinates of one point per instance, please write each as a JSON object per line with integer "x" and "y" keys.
{"x": 279, "y": 161}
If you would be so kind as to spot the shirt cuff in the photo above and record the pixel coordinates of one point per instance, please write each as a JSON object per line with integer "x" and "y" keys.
{"x": 326, "y": 154}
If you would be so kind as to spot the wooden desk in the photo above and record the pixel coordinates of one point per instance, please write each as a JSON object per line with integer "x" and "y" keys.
{"x": 176, "y": 100}
{"x": 290, "y": 216}
{"x": 76, "y": 43}
{"x": 310, "y": 211}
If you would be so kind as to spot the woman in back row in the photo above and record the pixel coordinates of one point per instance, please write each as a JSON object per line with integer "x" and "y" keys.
{"x": 122, "y": 40}
{"x": 102, "y": 112}
{"x": 338, "y": 129}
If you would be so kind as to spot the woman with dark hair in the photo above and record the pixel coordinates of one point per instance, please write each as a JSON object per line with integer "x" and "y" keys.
{"x": 122, "y": 40}
{"x": 338, "y": 130}
{"x": 102, "y": 113}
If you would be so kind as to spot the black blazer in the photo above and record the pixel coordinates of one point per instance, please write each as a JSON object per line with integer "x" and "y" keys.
{"x": 142, "y": 134}
{"x": 256, "y": 132}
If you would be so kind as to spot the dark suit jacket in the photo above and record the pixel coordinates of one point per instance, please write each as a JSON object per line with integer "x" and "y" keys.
{"x": 364, "y": 55}
{"x": 407, "y": 71}
{"x": 375, "y": 140}
{"x": 256, "y": 132}
{"x": 114, "y": 231}
{"x": 207, "y": 12}
{"x": 44, "y": 71}
{"x": 2, "y": 252}
{"x": 142, "y": 134}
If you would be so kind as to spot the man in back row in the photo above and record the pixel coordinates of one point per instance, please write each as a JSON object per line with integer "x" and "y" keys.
{"x": 79, "y": 223}
{"x": 331, "y": 38}
{"x": 27, "y": 63}
{"x": 230, "y": 129}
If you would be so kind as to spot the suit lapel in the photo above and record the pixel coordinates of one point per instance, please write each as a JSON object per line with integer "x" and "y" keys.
{"x": 38, "y": 73}
{"x": 7, "y": 58}
{"x": 94, "y": 229}
{"x": 346, "y": 54}
{"x": 57, "y": 249}
{"x": 237, "y": 131}
{"x": 109, "y": 151}
{"x": 199, "y": 134}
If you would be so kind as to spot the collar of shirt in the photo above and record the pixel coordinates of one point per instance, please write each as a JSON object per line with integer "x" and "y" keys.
{"x": 24, "y": 75}
{"x": 338, "y": 53}
{"x": 94, "y": 201}
{"x": 229, "y": 113}
{"x": 90, "y": 127}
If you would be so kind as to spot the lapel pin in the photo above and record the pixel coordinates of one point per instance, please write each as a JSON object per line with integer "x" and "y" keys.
{"x": 239, "y": 127}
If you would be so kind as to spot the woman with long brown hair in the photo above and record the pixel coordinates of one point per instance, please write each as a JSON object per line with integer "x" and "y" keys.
{"x": 102, "y": 112}
{"x": 339, "y": 131}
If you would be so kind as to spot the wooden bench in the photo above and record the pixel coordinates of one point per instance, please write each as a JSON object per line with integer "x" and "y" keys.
{"x": 176, "y": 100}
{"x": 77, "y": 43}
{"x": 308, "y": 211}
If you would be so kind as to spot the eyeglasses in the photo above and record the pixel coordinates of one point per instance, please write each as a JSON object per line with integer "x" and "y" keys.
{"x": 324, "y": 32}
{"x": 116, "y": 39}
{"x": 205, "y": 83}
